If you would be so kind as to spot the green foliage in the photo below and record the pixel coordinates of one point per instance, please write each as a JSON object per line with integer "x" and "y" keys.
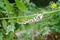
{"x": 12, "y": 25}
{"x": 21, "y": 6}
{"x": 1, "y": 36}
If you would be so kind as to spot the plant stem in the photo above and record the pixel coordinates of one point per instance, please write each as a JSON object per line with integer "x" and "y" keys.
{"x": 31, "y": 15}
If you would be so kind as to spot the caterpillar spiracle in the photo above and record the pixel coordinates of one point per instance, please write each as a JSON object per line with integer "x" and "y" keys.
{"x": 35, "y": 19}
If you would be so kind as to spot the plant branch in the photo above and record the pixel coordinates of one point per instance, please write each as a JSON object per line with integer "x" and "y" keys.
{"x": 31, "y": 15}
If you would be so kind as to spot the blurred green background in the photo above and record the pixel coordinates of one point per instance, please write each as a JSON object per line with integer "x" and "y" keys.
{"x": 29, "y": 19}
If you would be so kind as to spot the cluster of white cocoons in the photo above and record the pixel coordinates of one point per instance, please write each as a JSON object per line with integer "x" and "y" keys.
{"x": 35, "y": 19}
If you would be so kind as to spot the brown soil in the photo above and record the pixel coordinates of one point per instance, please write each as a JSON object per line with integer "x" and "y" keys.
{"x": 51, "y": 36}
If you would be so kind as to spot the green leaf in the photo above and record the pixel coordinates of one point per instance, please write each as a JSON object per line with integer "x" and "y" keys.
{"x": 46, "y": 30}
{"x": 4, "y": 23}
{"x": 56, "y": 28}
{"x": 1, "y": 36}
{"x": 10, "y": 28}
{"x": 27, "y": 1}
{"x": 1, "y": 4}
{"x": 21, "y": 6}
{"x": 9, "y": 8}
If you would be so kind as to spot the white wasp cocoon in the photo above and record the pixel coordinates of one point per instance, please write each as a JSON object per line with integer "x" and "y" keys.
{"x": 35, "y": 19}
